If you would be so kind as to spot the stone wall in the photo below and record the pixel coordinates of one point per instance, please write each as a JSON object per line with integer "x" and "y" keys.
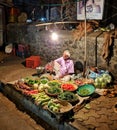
{"x": 41, "y": 44}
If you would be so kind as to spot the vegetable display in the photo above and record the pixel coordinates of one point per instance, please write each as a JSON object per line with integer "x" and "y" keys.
{"x": 86, "y": 90}
{"x": 31, "y": 82}
{"x": 43, "y": 81}
{"x": 69, "y": 87}
{"x": 68, "y": 96}
{"x": 54, "y": 83}
{"x": 83, "y": 81}
{"x": 30, "y": 92}
{"x": 53, "y": 106}
{"x": 41, "y": 98}
{"x": 78, "y": 82}
{"x": 60, "y": 96}
{"x": 102, "y": 81}
{"x": 22, "y": 85}
{"x": 53, "y": 91}
{"x": 58, "y": 107}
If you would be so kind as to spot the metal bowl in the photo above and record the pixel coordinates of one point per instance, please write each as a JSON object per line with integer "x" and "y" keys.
{"x": 40, "y": 69}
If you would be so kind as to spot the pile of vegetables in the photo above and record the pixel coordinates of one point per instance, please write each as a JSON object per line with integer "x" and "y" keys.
{"x": 83, "y": 81}
{"x": 32, "y": 82}
{"x": 45, "y": 84}
{"x": 54, "y": 83}
{"x": 68, "y": 96}
{"x": 22, "y": 86}
{"x": 69, "y": 87}
{"x": 110, "y": 92}
{"x": 43, "y": 88}
{"x": 53, "y": 91}
{"x": 79, "y": 82}
{"x": 84, "y": 92}
{"x": 58, "y": 107}
{"x": 25, "y": 89}
{"x": 41, "y": 98}
{"x": 30, "y": 92}
{"x": 53, "y": 106}
{"x": 44, "y": 81}
{"x": 102, "y": 81}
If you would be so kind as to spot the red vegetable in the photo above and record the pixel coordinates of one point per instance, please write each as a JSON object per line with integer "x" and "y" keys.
{"x": 68, "y": 86}
{"x": 23, "y": 86}
{"x": 79, "y": 82}
{"x": 29, "y": 92}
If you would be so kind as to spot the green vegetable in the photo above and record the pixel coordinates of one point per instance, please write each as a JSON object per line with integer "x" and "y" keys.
{"x": 53, "y": 84}
{"x": 43, "y": 101}
{"x": 55, "y": 109}
{"x": 32, "y": 82}
{"x": 54, "y": 90}
{"x": 102, "y": 81}
{"x": 69, "y": 96}
{"x": 53, "y": 106}
{"x": 84, "y": 92}
{"x": 43, "y": 81}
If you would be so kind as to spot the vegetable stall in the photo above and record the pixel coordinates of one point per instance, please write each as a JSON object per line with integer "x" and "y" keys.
{"x": 57, "y": 100}
{"x": 44, "y": 90}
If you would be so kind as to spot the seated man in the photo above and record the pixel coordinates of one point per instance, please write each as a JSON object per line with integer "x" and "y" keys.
{"x": 63, "y": 66}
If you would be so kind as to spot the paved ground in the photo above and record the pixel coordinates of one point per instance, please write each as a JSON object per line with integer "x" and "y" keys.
{"x": 13, "y": 119}
{"x": 98, "y": 115}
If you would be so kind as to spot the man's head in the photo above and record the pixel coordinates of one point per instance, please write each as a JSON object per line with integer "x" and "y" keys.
{"x": 66, "y": 54}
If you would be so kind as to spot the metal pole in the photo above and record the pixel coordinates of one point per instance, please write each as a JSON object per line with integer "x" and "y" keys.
{"x": 85, "y": 40}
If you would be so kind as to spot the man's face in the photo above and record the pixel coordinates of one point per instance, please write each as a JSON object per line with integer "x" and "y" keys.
{"x": 65, "y": 57}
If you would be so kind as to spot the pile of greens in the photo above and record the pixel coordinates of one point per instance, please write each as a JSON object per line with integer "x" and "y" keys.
{"x": 54, "y": 90}
{"x": 54, "y": 84}
{"x": 68, "y": 96}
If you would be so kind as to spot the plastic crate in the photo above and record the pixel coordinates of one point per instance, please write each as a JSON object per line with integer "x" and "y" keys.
{"x": 33, "y": 61}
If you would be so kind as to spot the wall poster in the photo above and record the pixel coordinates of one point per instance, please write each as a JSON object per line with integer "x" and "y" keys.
{"x": 94, "y": 9}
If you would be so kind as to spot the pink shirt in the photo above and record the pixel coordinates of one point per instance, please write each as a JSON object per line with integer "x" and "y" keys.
{"x": 67, "y": 66}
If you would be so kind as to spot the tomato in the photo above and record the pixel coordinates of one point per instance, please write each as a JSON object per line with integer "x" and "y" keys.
{"x": 69, "y": 87}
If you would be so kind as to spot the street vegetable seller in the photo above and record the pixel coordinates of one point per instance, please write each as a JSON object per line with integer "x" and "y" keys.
{"x": 63, "y": 67}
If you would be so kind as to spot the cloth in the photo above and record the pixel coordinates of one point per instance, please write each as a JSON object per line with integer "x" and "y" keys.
{"x": 56, "y": 68}
{"x": 49, "y": 67}
{"x": 9, "y": 48}
{"x": 64, "y": 67}
{"x": 57, "y": 71}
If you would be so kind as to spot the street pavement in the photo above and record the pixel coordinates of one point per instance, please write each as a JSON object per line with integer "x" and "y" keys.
{"x": 13, "y": 119}
{"x": 99, "y": 114}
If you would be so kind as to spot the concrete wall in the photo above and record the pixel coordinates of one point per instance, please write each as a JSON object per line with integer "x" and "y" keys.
{"x": 41, "y": 44}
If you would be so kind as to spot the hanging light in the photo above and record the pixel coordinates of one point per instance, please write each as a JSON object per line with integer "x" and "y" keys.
{"x": 54, "y": 36}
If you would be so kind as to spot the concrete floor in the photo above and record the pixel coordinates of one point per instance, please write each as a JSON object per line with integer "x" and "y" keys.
{"x": 11, "y": 68}
{"x": 99, "y": 116}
